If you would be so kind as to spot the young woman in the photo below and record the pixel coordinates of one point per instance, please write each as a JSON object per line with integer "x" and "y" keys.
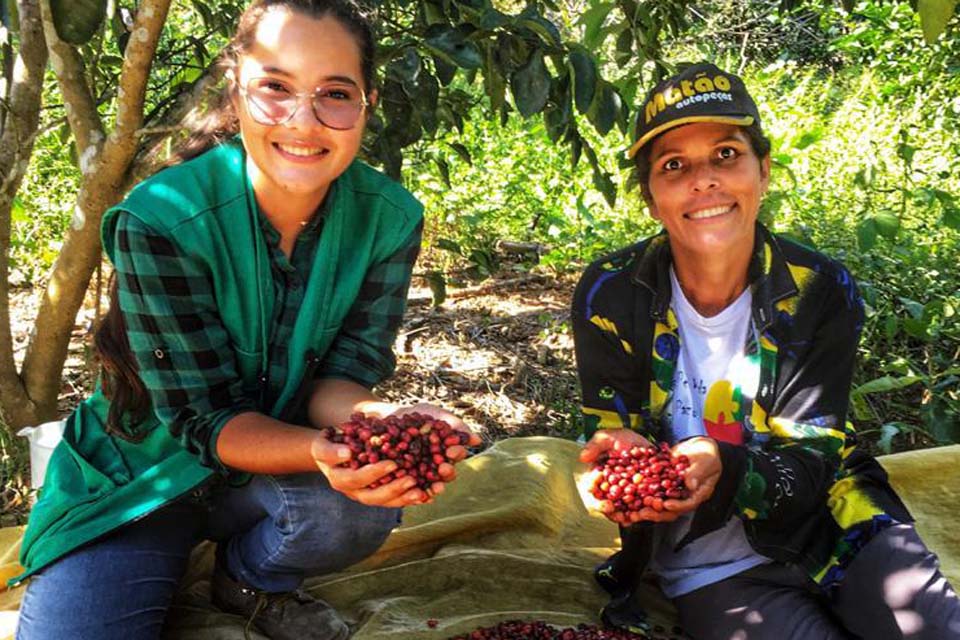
{"x": 259, "y": 288}
{"x": 737, "y": 347}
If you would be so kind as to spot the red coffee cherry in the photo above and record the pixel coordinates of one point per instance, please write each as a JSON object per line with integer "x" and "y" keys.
{"x": 640, "y": 477}
{"x": 416, "y": 442}
{"x": 539, "y": 630}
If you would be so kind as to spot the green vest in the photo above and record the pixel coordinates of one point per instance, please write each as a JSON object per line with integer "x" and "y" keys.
{"x": 96, "y": 483}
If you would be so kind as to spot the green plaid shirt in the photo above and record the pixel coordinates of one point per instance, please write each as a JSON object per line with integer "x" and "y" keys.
{"x": 192, "y": 378}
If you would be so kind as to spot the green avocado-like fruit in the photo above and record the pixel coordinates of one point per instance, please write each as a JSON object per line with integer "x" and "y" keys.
{"x": 77, "y": 20}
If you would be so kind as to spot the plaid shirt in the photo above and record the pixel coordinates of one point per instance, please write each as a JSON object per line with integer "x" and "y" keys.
{"x": 192, "y": 380}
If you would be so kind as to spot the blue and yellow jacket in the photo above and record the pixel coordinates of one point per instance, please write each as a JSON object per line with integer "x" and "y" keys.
{"x": 805, "y": 493}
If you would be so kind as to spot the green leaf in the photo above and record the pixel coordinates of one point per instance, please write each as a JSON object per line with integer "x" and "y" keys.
{"x": 866, "y": 234}
{"x": 531, "y": 85}
{"x": 493, "y": 19}
{"x": 934, "y": 16}
{"x": 512, "y": 52}
{"x": 808, "y": 138}
{"x": 432, "y": 13}
{"x": 887, "y": 224}
{"x": 906, "y": 152}
{"x": 77, "y": 21}
{"x": 449, "y": 245}
{"x": 205, "y": 14}
{"x": 861, "y": 408}
{"x": 914, "y": 308}
{"x": 885, "y": 384}
{"x": 18, "y": 212}
{"x": 485, "y": 261}
{"x": 945, "y": 197}
{"x": 576, "y": 149}
{"x": 494, "y": 82}
{"x": 438, "y": 286}
{"x": 558, "y": 114}
{"x": 951, "y": 217}
{"x": 584, "y": 78}
{"x": 942, "y": 423}
{"x": 452, "y": 45}
{"x": 865, "y": 177}
{"x": 547, "y": 31}
{"x": 445, "y": 70}
{"x": 890, "y": 327}
{"x": 426, "y": 97}
{"x": 623, "y": 52}
{"x": 917, "y": 328}
{"x": 462, "y": 152}
{"x": 405, "y": 68}
{"x": 444, "y": 169}
{"x": 605, "y": 109}
{"x": 592, "y": 21}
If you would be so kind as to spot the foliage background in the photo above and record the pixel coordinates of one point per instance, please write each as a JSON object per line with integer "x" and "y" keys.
{"x": 863, "y": 112}
{"x": 865, "y": 122}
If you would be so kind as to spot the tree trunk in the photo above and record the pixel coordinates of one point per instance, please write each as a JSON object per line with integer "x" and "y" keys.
{"x": 104, "y": 163}
{"x": 16, "y": 146}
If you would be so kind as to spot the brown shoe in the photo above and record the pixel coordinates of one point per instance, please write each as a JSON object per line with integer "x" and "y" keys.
{"x": 295, "y": 615}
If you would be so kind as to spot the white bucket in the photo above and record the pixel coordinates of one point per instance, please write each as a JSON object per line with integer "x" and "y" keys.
{"x": 43, "y": 440}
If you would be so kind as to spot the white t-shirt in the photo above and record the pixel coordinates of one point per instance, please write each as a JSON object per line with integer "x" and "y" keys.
{"x": 713, "y": 386}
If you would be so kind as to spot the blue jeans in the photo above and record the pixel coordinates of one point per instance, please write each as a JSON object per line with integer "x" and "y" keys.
{"x": 271, "y": 534}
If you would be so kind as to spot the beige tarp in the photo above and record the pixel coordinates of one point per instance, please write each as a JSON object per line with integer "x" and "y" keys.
{"x": 509, "y": 539}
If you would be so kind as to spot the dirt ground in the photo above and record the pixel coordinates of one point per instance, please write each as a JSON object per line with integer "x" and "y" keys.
{"x": 499, "y": 354}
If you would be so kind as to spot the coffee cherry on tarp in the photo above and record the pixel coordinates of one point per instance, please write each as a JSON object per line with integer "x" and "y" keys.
{"x": 539, "y": 630}
{"x": 417, "y": 443}
{"x": 640, "y": 477}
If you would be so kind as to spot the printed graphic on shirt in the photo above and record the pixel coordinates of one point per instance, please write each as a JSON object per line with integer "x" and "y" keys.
{"x": 717, "y": 411}
{"x": 723, "y": 412}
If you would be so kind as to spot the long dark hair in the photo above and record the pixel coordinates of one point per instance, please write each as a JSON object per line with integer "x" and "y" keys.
{"x": 120, "y": 380}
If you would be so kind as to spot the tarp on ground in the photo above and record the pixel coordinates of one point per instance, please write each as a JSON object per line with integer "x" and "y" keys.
{"x": 510, "y": 538}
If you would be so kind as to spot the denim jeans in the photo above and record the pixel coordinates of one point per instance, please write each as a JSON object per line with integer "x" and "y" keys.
{"x": 271, "y": 534}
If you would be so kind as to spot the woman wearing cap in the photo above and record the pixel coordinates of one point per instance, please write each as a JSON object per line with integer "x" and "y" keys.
{"x": 737, "y": 347}
{"x": 260, "y": 286}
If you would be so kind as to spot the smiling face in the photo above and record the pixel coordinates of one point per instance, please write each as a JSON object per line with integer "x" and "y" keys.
{"x": 298, "y": 160}
{"x": 705, "y": 187}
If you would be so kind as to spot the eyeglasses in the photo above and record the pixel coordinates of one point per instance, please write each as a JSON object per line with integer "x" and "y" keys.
{"x": 271, "y": 101}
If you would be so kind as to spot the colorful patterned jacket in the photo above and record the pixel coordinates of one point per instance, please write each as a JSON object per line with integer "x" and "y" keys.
{"x": 806, "y": 495}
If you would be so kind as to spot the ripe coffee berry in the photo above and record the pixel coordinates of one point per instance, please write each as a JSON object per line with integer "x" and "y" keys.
{"x": 640, "y": 477}
{"x": 417, "y": 443}
{"x": 539, "y": 630}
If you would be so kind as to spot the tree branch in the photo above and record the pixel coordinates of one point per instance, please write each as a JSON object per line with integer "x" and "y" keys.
{"x": 137, "y": 60}
{"x": 100, "y": 189}
{"x": 77, "y": 96}
{"x": 16, "y": 145}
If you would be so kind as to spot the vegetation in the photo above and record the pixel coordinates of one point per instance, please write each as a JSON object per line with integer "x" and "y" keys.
{"x": 509, "y": 121}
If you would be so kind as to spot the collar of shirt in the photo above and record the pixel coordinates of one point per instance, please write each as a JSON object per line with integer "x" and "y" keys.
{"x": 310, "y": 228}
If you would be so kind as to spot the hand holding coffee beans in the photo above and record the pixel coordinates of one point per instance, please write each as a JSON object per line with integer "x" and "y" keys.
{"x": 641, "y": 476}
{"x": 417, "y": 443}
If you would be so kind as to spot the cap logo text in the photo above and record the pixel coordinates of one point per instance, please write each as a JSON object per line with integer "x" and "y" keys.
{"x": 670, "y": 96}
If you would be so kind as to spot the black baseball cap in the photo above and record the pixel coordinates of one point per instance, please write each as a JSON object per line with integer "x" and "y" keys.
{"x": 701, "y": 92}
